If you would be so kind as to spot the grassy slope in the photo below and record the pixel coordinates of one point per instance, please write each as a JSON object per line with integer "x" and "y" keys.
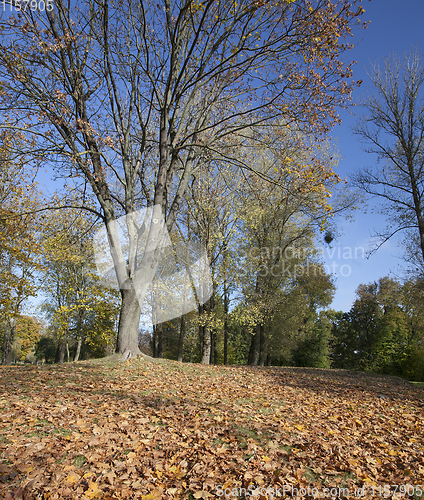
{"x": 160, "y": 429}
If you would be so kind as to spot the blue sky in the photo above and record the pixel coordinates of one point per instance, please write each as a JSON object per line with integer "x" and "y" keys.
{"x": 394, "y": 27}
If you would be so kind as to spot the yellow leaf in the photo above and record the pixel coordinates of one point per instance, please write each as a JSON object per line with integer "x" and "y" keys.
{"x": 299, "y": 427}
{"x": 93, "y": 491}
{"x": 369, "y": 481}
{"x": 73, "y": 478}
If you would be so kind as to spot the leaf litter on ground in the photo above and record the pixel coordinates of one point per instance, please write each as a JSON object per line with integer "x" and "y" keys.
{"x": 161, "y": 429}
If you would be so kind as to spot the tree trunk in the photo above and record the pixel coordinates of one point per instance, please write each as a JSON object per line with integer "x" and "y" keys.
{"x": 129, "y": 320}
{"x": 181, "y": 338}
{"x": 262, "y": 346}
{"x": 57, "y": 355}
{"x": 254, "y": 347}
{"x": 79, "y": 333}
{"x": 201, "y": 330}
{"x": 4, "y": 349}
{"x": 225, "y": 323}
{"x": 78, "y": 350}
{"x": 61, "y": 351}
{"x": 207, "y": 334}
{"x": 154, "y": 342}
{"x": 67, "y": 350}
{"x": 213, "y": 342}
{"x": 251, "y": 349}
{"x": 159, "y": 340}
{"x": 9, "y": 334}
{"x": 206, "y": 348}
{"x": 215, "y": 349}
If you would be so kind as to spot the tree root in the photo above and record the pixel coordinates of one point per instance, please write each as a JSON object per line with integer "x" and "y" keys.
{"x": 127, "y": 355}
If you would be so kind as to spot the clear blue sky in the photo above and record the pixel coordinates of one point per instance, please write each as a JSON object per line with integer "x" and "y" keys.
{"x": 394, "y": 27}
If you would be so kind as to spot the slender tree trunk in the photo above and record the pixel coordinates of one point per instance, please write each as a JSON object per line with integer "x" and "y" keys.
{"x": 57, "y": 355}
{"x": 62, "y": 351}
{"x": 207, "y": 334}
{"x": 225, "y": 322}
{"x": 78, "y": 350}
{"x": 201, "y": 337}
{"x": 213, "y": 341}
{"x": 206, "y": 350}
{"x": 251, "y": 349}
{"x": 9, "y": 335}
{"x": 154, "y": 342}
{"x": 209, "y": 338}
{"x": 254, "y": 346}
{"x": 79, "y": 333}
{"x": 5, "y": 343}
{"x": 67, "y": 350}
{"x": 181, "y": 338}
{"x": 129, "y": 320}
{"x": 262, "y": 346}
{"x": 215, "y": 349}
{"x": 201, "y": 330}
{"x": 159, "y": 340}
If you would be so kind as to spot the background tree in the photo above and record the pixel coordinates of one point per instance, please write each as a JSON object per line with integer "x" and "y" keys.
{"x": 393, "y": 129}
{"x": 20, "y": 248}
{"x": 127, "y": 100}
{"x": 280, "y": 214}
{"x": 314, "y": 348}
{"x": 383, "y": 332}
{"x": 81, "y": 310}
{"x": 28, "y": 331}
{"x": 209, "y": 216}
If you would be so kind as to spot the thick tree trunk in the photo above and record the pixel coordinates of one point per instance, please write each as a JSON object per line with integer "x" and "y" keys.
{"x": 133, "y": 282}
{"x": 181, "y": 338}
{"x": 129, "y": 320}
